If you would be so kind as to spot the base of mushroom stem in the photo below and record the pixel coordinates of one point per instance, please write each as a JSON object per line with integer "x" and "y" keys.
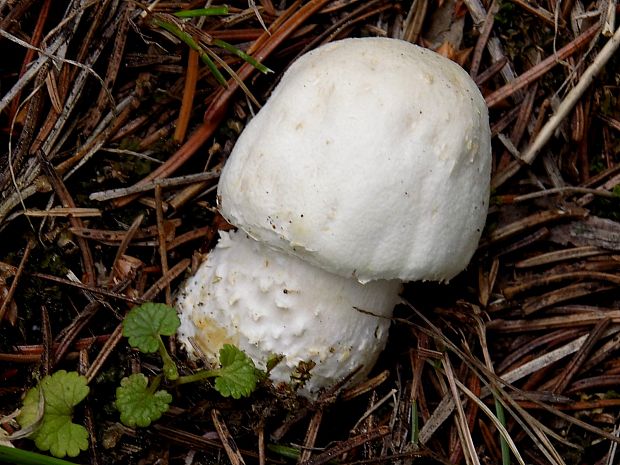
{"x": 269, "y": 304}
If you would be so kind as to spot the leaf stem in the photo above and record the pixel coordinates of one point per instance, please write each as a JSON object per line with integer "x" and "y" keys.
{"x": 170, "y": 368}
{"x": 198, "y": 376}
{"x": 154, "y": 385}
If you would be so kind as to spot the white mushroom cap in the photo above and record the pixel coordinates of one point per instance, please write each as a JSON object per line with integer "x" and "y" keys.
{"x": 371, "y": 159}
{"x": 267, "y": 303}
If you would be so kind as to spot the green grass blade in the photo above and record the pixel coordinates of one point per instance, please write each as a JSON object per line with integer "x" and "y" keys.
{"x": 284, "y": 451}
{"x": 211, "y": 11}
{"x": 241, "y": 54}
{"x": 233, "y": 75}
{"x": 498, "y": 424}
{"x": 501, "y": 417}
{"x": 24, "y": 457}
{"x": 185, "y": 37}
{"x": 206, "y": 59}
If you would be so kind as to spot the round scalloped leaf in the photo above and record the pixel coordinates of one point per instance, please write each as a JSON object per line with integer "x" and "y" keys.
{"x": 144, "y": 324}
{"x": 61, "y": 437}
{"x": 137, "y": 404}
{"x": 58, "y": 394}
{"x": 238, "y": 376}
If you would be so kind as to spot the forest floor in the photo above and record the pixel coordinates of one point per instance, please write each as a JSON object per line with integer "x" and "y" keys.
{"x": 113, "y": 133}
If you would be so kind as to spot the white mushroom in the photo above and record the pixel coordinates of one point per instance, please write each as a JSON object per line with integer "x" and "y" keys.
{"x": 370, "y": 161}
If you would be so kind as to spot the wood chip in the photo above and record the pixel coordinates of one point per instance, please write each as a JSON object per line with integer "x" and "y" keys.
{"x": 532, "y": 221}
{"x": 592, "y": 232}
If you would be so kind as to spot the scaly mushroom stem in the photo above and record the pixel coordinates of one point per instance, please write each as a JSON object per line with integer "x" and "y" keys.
{"x": 268, "y": 303}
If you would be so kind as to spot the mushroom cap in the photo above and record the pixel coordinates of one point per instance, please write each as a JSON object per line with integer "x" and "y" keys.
{"x": 269, "y": 303}
{"x": 370, "y": 159}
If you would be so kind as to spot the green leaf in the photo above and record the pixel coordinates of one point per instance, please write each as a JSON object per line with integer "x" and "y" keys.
{"x": 54, "y": 430}
{"x": 238, "y": 375}
{"x": 138, "y": 403}
{"x": 62, "y": 437}
{"x": 145, "y": 324}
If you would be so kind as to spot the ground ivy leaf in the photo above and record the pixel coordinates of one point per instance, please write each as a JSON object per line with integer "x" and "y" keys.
{"x": 144, "y": 324}
{"x": 137, "y": 404}
{"x": 238, "y": 375}
{"x": 60, "y": 393}
{"x": 63, "y": 391}
{"x": 61, "y": 437}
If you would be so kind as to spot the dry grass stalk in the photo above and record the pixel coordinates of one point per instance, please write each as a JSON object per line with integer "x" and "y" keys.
{"x": 232, "y": 451}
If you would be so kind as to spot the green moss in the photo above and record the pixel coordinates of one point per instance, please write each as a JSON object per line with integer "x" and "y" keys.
{"x": 506, "y": 14}
{"x": 606, "y": 208}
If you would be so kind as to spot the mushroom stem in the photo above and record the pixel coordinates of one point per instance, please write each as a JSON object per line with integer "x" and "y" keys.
{"x": 268, "y": 303}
